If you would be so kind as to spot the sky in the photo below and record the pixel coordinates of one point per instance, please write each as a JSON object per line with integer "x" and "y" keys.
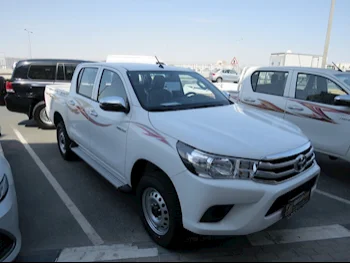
{"x": 177, "y": 31}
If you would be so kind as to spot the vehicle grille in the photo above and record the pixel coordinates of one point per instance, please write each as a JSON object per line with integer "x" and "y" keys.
{"x": 6, "y": 246}
{"x": 286, "y": 166}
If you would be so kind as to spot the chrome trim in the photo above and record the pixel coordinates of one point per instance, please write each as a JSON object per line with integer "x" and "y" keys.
{"x": 287, "y": 153}
{"x": 274, "y": 168}
{"x": 273, "y": 182}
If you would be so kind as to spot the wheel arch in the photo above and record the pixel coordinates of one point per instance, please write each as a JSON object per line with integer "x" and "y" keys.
{"x": 140, "y": 167}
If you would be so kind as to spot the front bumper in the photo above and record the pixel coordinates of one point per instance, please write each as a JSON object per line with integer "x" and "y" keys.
{"x": 9, "y": 226}
{"x": 252, "y": 201}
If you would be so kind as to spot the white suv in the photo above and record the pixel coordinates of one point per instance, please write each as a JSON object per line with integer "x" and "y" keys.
{"x": 196, "y": 160}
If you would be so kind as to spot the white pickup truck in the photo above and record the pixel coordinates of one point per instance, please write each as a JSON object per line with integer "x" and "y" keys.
{"x": 316, "y": 100}
{"x": 196, "y": 160}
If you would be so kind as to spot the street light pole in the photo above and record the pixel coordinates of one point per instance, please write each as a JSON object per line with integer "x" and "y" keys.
{"x": 326, "y": 45}
{"x": 30, "y": 45}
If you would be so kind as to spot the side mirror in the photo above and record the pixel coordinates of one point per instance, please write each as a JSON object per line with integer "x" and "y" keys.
{"x": 116, "y": 104}
{"x": 342, "y": 100}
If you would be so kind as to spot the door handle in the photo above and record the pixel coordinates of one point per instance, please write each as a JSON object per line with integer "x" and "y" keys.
{"x": 249, "y": 100}
{"x": 71, "y": 102}
{"x": 93, "y": 113}
{"x": 295, "y": 108}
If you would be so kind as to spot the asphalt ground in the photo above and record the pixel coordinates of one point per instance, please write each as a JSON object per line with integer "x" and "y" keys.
{"x": 48, "y": 226}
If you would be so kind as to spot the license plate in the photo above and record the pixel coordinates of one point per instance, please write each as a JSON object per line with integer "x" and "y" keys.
{"x": 296, "y": 203}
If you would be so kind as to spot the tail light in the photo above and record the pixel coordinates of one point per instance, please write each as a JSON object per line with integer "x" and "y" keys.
{"x": 9, "y": 88}
{"x": 213, "y": 74}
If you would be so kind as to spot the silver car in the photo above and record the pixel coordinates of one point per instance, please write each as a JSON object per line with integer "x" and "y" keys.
{"x": 224, "y": 75}
{"x": 10, "y": 235}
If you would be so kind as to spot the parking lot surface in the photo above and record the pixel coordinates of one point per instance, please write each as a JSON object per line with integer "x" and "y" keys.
{"x": 68, "y": 212}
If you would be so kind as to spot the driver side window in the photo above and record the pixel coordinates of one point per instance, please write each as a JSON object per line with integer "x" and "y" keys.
{"x": 195, "y": 87}
{"x": 317, "y": 89}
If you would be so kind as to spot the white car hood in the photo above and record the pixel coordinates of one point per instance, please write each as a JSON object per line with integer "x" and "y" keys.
{"x": 230, "y": 130}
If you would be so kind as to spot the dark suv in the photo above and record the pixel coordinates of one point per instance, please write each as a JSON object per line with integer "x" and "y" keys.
{"x": 25, "y": 90}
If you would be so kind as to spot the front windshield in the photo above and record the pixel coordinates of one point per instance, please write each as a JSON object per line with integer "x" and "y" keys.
{"x": 175, "y": 90}
{"x": 345, "y": 77}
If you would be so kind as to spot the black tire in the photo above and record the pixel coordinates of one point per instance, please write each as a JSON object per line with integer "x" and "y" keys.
{"x": 159, "y": 181}
{"x": 219, "y": 80}
{"x": 66, "y": 154}
{"x": 42, "y": 121}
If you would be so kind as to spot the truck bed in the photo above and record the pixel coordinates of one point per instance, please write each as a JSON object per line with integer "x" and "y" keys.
{"x": 55, "y": 92}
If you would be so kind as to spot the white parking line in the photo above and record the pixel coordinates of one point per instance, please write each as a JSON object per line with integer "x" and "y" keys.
{"x": 82, "y": 221}
{"x": 105, "y": 253}
{"x": 298, "y": 235}
{"x": 345, "y": 201}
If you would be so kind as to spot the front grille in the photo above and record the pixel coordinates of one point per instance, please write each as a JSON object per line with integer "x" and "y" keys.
{"x": 281, "y": 168}
{"x": 283, "y": 200}
{"x": 6, "y": 246}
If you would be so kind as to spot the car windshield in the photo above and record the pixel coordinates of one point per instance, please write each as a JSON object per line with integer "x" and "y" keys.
{"x": 345, "y": 77}
{"x": 175, "y": 90}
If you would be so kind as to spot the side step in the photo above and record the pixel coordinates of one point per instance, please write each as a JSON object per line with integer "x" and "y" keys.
{"x": 100, "y": 169}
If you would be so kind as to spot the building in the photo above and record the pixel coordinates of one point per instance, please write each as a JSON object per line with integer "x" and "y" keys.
{"x": 295, "y": 59}
{"x": 8, "y": 62}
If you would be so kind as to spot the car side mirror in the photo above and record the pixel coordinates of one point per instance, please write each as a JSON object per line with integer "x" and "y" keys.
{"x": 116, "y": 104}
{"x": 342, "y": 100}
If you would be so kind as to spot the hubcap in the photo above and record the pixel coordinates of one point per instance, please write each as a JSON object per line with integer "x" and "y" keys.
{"x": 44, "y": 118}
{"x": 155, "y": 211}
{"x": 62, "y": 142}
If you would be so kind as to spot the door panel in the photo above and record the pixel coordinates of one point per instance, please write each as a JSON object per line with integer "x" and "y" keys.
{"x": 109, "y": 129}
{"x": 80, "y": 105}
{"x": 325, "y": 124}
{"x": 266, "y": 90}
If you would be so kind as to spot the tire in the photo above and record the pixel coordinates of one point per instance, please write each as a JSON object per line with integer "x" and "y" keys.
{"x": 64, "y": 143}
{"x": 40, "y": 116}
{"x": 171, "y": 212}
{"x": 219, "y": 80}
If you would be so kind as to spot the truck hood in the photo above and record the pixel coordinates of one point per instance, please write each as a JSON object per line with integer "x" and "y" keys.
{"x": 230, "y": 130}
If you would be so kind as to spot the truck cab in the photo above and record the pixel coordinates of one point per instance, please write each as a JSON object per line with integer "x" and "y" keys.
{"x": 316, "y": 100}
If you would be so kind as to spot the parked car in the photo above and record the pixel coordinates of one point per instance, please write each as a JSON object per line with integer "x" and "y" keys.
{"x": 25, "y": 90}
{"x": 224, "y": 75}
{"x": 316, "y": 100}
{"x": 196, "y": 160}
{"x": 2, "y": 91}
{"x": 10, "y": 235}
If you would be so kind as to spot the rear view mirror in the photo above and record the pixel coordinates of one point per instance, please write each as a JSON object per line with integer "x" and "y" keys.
{"x": 116, "y": 104}
{"x": 342, "y": 100}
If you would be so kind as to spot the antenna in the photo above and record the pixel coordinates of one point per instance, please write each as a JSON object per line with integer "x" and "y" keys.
{"x": 159, "y": 63}
{"x": 337, "y": 67}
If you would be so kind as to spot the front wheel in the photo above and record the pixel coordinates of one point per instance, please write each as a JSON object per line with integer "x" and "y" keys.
{"x": 160, "y": 210}
{"x": 40, "y": 116}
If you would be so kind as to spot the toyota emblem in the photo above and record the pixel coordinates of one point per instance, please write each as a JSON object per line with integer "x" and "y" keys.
{"x": 300, "y": 162}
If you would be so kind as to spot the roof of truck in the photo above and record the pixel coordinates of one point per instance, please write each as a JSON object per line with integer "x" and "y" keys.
{"x": 315, "y": 70}
{"x": 139, "y": 66}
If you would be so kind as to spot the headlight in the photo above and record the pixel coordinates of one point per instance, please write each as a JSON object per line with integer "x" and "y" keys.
{"x": 4, "y": 187}
{"x": 215, "y": 166}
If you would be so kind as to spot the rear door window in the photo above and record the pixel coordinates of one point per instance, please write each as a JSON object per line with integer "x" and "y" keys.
{"x": 42, "y": 72}
{"x": 269, "y": 82}
{"x": 86, "y": 82}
